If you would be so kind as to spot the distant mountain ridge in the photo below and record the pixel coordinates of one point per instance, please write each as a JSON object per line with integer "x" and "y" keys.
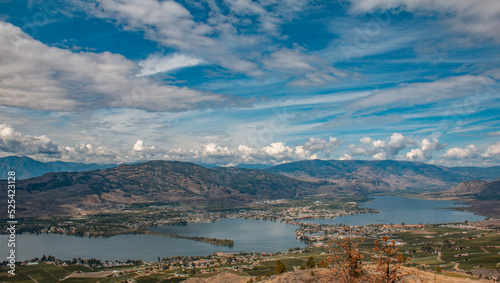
{"x": 226, "y": 187}
{"x": 26, "y": 167}
{"x": 384, "y": 175}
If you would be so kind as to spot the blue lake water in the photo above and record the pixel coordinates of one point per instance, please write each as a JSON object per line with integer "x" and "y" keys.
{"x": 249, "y": 235}
{"x": 410, "y": 211}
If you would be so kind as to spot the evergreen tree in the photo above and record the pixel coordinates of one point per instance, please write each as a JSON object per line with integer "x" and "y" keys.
{"x": 310, "y": 263}
{"x": 279, "y": 267}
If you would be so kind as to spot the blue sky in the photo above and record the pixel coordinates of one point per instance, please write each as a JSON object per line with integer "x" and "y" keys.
{"x": 240, "y": 81}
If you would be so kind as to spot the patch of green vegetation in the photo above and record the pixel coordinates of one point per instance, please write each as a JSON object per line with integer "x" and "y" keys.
{"x": 148, "y": 279}
{"x": 55, "y": 270}
{"x": 458, "y": 275}
{"x": 20, "y": 278}
{"x": 465, "y": 247}
{"x": 81, "y": 280}
{"x": 262, "y": 271}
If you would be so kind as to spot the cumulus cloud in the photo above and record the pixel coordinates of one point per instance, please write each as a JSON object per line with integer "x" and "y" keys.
{"x": 424, "y": 152}
{"x": 380, "y": 149}
{"x": 36, "y": 76}
{"x": 140, "y": 145}
{"x": 90, "y": 153}
{"x": 12, "y": 142}
{"x": 473, "y": 17}
{"x": 345, "y": 157}
{"x": 323, "y": 145}
{"x": 469, "y": 151}
{"x": 213, "y": 150}
{"x": 493, "y": 151}
{"x": 273, "y": 153}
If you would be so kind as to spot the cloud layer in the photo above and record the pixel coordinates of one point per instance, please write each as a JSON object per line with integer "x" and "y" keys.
{"x": 36, "y": 76}
{"x": 474, "y": 17}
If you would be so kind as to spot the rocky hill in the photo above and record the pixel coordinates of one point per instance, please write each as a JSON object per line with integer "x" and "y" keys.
{"x": 478, "y": 189}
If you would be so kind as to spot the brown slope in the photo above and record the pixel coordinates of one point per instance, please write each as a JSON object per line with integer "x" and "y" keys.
{"x": 154, "y": 181}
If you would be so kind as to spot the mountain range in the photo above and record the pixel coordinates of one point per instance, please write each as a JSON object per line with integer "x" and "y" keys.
{"x": 184, "y": 183}
{"x": 385, "y": 175}
{"x": 26, "y": 167}
{"x": 154, "y": 181}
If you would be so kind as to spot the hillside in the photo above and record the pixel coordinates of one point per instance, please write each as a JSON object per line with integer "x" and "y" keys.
{"x": 154, "y": 181}
{"x": 477, "y": 189}
{"x": 385, "y": 175}
{"x": 320, "y": 275}
{"x": 26, "y": 167}
{"x": 481, "y": 196}
{"x": 196, "y": 186}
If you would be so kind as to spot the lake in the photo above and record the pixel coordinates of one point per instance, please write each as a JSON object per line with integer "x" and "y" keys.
{"x": 410, "y": 211}
{"x": 249, "y": 235}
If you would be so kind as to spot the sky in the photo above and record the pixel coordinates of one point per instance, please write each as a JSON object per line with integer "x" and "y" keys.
{"x": 231, "y": 82}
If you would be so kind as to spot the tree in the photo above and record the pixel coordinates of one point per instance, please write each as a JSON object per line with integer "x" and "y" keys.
{"x": 388, "y": 261}
{"x": 347, "y": 256}
{"x": 279, "y": 267}
{"x": 310, "y": 263}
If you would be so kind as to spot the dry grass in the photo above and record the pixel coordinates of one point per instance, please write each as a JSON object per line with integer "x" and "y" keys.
{"x": 323, "y": 275}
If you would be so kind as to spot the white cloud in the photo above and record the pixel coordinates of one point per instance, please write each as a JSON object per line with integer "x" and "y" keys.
{"x": 380, "y": 149}
{"x": 163, "y": 64}
{"x": 172, "y": 25}
{"x": 345, "y": 157}
{"x": 273, "y": 153}
{"x": 223, "y": 38}
{"x": 469, "y": 151}
{"x": 493, "y": 151}
{"x": 464, "y": 16}
{"x": 213, "y": 150}
{"x": 398, "y": 142}
{"x": 140, "y": 145}
{"x": 326, "y": 146}
{"x": 424, "y": 152}
{"x": 307, "y": 69}
{"x": 90, "y": 153}
{"x": 407, "y": 95}
{"x": 36, "y": 76}
{"x": 366, "y": 140}
{"x": 390, "y": 149}
{"x": 493, "y": 134}
{"x": 12, "y": 142}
